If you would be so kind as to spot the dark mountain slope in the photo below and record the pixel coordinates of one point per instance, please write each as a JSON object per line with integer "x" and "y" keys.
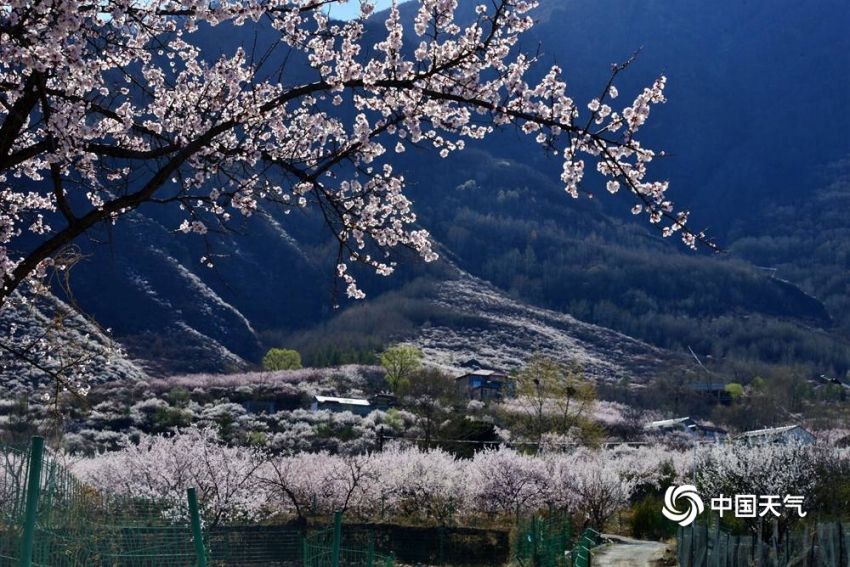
{"x": 808, "y": 243}
{"x": 756, "y": 92}
{"x": 506, "y": 223}
{"x": 158, "y": 296}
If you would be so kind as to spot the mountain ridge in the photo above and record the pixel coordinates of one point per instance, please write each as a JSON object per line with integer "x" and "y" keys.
{"x": 511, "y": 331}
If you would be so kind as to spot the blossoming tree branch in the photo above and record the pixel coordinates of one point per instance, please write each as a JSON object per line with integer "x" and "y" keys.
{"x": 108, "y": 105}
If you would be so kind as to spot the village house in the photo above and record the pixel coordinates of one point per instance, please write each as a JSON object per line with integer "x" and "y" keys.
{"x": 483, "y": 385}
{"x": 356, "y": 406}
{"x": 777, "y": 435}
{"x": 689, "y": 426}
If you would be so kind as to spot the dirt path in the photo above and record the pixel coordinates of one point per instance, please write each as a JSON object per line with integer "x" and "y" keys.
{"x": 627, "y": 552}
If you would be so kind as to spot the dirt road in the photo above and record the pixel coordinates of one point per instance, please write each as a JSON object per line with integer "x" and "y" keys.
{"x": 627, "y": 552}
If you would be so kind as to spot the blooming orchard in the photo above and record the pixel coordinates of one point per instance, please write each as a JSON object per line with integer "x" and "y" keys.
{"x": 404, "y": 483}
{"x": 400, "y": 482}
{"x": 108, "y": 105}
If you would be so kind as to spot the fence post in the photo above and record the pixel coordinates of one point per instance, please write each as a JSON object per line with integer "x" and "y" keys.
{"x": 716, "y": 549}
{"x": 196, "y": 527}
{"x": 33, "y": 485}
{"x": 812, "y": 548}
{"x": 788, "y": 548}
{"x": 337, "y": 538}
{"x": 692, "y": 550}
{"x": 533, "y": 539}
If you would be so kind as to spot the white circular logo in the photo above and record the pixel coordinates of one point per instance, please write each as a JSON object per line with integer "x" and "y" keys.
{"x": 687, "y": 492}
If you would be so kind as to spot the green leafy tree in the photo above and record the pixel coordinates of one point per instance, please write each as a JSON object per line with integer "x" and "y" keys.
{"x": 400, "y": 361}
{"x": 282, "y": 359}
{"x": 166, "y": 419}
{"x": 735, "y": 390}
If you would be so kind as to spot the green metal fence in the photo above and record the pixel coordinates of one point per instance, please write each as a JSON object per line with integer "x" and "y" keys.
{"x": 430, "y": 545}
{"x": 818, "y": 545}
{"x": 580, "y": 554}
{"x": 324, "y": 549}
{"x": 543, "y": 542}
{"x": 48, "y": 518}
{"x": 13, "y": 471}
{"x": 255, "y": 546}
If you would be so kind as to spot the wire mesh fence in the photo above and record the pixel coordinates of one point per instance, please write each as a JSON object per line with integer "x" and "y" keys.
{"x": 543, "y": 542}
{"x": 580, "y": 554}
{"x": 430, "y": 545}
{"x": 48, "y": 518}
{"x": 13, "y": 468}
{"x": 255, "y": 546}
{"x": 817, "y": 545}
{"x": 325, "y": 549}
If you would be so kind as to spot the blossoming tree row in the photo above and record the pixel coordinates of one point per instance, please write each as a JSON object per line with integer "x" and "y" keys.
{"x": 239, "y": 484}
